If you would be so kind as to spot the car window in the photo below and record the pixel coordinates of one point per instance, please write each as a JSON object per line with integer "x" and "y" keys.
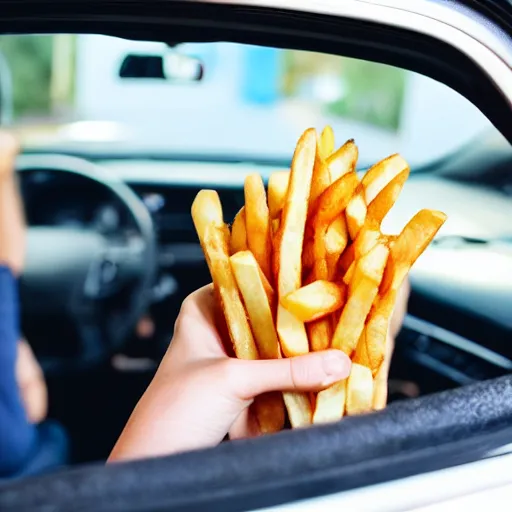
{"x": 68, "y": 88}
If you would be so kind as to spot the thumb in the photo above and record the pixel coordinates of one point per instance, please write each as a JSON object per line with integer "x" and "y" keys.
{"x": 309, "y": 372}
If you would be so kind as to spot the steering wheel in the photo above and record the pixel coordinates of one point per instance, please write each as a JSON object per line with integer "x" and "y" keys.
{"x": 79, "y": 276}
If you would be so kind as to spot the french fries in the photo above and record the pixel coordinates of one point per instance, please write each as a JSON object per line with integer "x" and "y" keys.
{"x": 277, "y": 189}
{"x": 314, "y": 301}
{"x": 257, "y": 220}
{"x": 288, "y": 246}
{"x": 238, "y": 241}
{"x": 307, "y": 267}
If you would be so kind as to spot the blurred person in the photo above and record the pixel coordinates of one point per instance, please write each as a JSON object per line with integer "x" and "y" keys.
{"x": 29, "y": 444}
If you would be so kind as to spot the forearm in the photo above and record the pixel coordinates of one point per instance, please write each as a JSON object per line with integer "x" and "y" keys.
{"x": 12, "y": 224}
{"x": 12, "y": 221}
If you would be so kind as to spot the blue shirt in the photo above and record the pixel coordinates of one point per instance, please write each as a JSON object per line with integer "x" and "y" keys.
{"x": 17, "y": 434}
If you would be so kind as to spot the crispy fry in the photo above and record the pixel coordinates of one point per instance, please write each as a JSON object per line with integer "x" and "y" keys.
{"x": 257, "y": 221}
{"x": 362, "y": 292}
{"x": 314, "y": 301}
{"x": 407, "y": 248}
{"x": 321, "y": 180}
{"x": 380, "y": 174}
{"x": 214, "y": 237}
{"x": 359, "y": 390}
{"x": 343, "y": 161}
{"x": 269, "y": 411}
{"x": 255, "y": 290}
{"x": 326, "y": 143}
{"x": 330, "y": 403}
{"x": 320, "y": 334}
{"x": 386, "y": 198}
{"x": 277, "y": 189}
{"x": 361, "y": 353}
{"x": 238, "y": 233}
{"x": 288, "y": 257}
{"x": 299, "y": 409}
{"x": 356, "y": 213}
{"x": 249, "y": 279}
{"x": 346, "y": 259}
{"x": 349, "y": 274}
{"x": 366, "y": 240}
{"x": 336, "y": 240}
{"x": 331, "y": 205}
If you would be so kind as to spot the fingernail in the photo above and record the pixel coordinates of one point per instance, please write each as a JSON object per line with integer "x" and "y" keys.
{"x": 336, "y": 365}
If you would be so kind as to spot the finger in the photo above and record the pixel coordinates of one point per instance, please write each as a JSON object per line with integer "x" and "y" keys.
{"x": 309, "y": 372}
{"x": 197, "y": 330}
{"x": 199, "y": 304}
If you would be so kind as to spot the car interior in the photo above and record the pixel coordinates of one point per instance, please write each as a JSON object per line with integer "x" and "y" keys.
{"x": 107, "y": 185}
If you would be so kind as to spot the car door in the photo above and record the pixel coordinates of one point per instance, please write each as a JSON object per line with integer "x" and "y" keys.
{"x": 468, "y": 48}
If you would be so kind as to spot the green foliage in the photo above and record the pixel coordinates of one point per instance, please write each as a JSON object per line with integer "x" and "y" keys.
{"x": 371, "y": 93}
{"x": 30, "y": 61}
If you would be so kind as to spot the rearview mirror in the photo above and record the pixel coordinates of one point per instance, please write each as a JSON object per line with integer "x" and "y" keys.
{"x": 173, "y": 67}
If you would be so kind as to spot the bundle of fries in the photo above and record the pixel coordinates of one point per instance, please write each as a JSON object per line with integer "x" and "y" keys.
{"x": 306, "y": 267}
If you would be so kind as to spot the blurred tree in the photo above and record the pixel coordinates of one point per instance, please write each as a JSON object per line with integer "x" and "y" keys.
{"x": 29, "y": 58}
{"x": 369, "y": 92}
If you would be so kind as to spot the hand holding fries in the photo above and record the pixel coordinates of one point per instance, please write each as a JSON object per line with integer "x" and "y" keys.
{"x": 199, "y": 394}
{"x": 308, "y": 268}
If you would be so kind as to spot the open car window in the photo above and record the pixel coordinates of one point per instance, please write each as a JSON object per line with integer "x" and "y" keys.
{"x": 67, "y": 88}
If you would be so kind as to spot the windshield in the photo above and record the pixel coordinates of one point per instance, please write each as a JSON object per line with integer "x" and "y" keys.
{"x": 251, "y": 102}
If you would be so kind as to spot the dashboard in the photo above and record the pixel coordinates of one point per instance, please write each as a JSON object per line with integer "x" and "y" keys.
{"x": 465, "y": 288}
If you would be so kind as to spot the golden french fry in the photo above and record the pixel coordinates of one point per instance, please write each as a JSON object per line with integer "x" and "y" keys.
{"x": 214, "y": 238}
{"x": 331, "y": 205}
{"x": 251, "y": 286}
{"x": 334, "y": 200}
{"x": 367, "y": 239}
{"x": 314, "y": 301}
{"x": 321, "y": 173}
{"x": 361, "y": 353}
{"x": 346, "y": 259}
{"x": 330, "y": 403}
{"x": 238, "y": 233}
{"x": 386, "y": 198}
{"x": 321, "y": 180}
{"x": 336, "y": 240}
{"x": 380, "y": 388}
{"x": 326, "y": 143}
{"x": 343, "y": 161}
{"x": 362, "y": 292}
{"x": 269, "y": 412}
{"x": 269, "y": 407}
{"x": 299, "y": 409}
{"x": 320, "y": 334}
{"x": 379, "y": 175}
{"x": 257, "y": 221}
{"x": 277, "y": 189}
{"x": 356, "y": 213}
{"x": 289, "y": 240}
{"x": 359, "y": 390}
{"x": 349, "y": 274}
{"x": 406, "y": 249}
